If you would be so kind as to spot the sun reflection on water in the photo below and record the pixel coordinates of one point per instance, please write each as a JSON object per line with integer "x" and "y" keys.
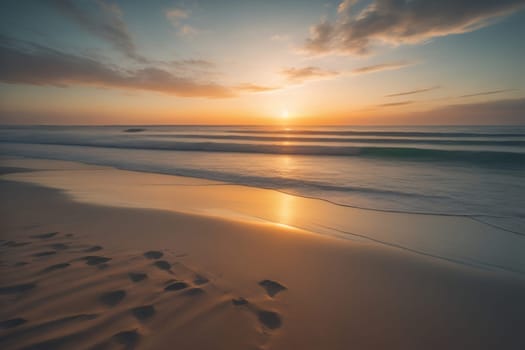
{"x": 285, "y": 210}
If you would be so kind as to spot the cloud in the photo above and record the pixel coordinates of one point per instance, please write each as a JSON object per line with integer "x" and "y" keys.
{"x": 395, "y": 104}
{"x": 247, "y": 87}
{"x": 345, "y": 5}
{"x": 193, "y": 63}
{"x": 413, "y": 92}
{"x": 299, "y": 75}
{"x": 188, "y": 30}
{"x": 37, "y": 65}
{"x": 381, "y": 67}
{"x": 485, "y": 93}
{"x": 106, "y": 23}
{"x": 397, "y": 22}
{"x": 177, "y": 17}
{"x": 190, "y": 67}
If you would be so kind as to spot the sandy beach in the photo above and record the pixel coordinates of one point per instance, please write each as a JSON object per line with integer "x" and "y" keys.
{"x": 78, "y": 274}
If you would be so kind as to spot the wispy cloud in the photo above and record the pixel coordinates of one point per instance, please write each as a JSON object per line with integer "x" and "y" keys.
{"x": 187, "y": 30}
{"x": 395, "y": 104}
{"x": 398, "y": 22}
{"x": 247, "y": 87}
{"x": 193, "y": 63}
{"x": 413, "y": 92}
{"x": 177, "y": 17}
{"x": 37, "y": 65}
{"x": 299, "y": 75}
{"x": 27, "y": 63}
{"x": 381, "y": 67}
{"x": 190, "y": 67}
{"x": 485, "y": 93}
{"x": 345, "y": 5}
{"x": 106, "y": 22}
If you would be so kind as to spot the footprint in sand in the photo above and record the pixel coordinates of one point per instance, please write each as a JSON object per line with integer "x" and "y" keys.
{"x": 92, "y": 249}
{"x": 46, "y": 253}
{"x": 272, "y": 288}
{"x": 55, "y": 267}
{"x": 163, "y": 265}
{"x": 61, "y": 322}
{"x": 127, "y": 338}
{"x": 143, "y": 312}
{"x": 45, "y": 235}
{"x": 193, "y": 292}
{"x": 60, "y": 341}
{"x": 59, "y": 246}
{"x": 153, "y": 254}
{"x": 16, "y": 244}
{"x": 19, "y": 288}
{"x": 200, "y": 280}
{"x": 137, "y": 276}
{"x": 239, "y": 301}
{"x": 176, "y": 286}
{"x": 112, "y": 298}
{"x": 14, "y": 322}
{"x": 269, "y": 319}
{"x": 95, "y": 260}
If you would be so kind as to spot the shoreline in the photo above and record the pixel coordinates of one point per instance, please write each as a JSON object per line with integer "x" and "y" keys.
{"x": 512, "y": 228}
{"x": 447, "y": 238}
{"x": 226, "y": 183}
{"x": 337, "y": 293}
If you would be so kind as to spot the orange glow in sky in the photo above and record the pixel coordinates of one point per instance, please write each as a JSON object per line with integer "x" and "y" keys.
{"x": 236, "y": 62}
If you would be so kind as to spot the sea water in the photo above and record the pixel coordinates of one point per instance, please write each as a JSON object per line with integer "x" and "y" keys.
{"x": 474, "y": 171}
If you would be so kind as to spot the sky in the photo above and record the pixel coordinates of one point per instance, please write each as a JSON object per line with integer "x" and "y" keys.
{"x": 352, "y": 62}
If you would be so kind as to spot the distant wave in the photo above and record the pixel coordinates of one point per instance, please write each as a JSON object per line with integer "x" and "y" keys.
{"x": 396, "y": 153}
{"x": 443, "y": 141}
{"x": 377, "y": 133}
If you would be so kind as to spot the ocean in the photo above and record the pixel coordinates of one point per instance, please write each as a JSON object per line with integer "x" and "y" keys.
{"x": 474, "y": 171}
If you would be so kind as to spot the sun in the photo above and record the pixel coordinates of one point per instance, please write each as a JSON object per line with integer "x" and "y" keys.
{"x": 284, "y": 114}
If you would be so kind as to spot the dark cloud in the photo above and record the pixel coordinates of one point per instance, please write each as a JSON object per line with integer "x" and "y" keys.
{"x": 413, "y": 92}
{"x": 299, "y": 75}
{"x": 402, "y": 21}
{"x": 485, "y": 93}
{"x": 106, "y": 23}
{"x": 25, "y": 63}
{"x": 382, "y": 66}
